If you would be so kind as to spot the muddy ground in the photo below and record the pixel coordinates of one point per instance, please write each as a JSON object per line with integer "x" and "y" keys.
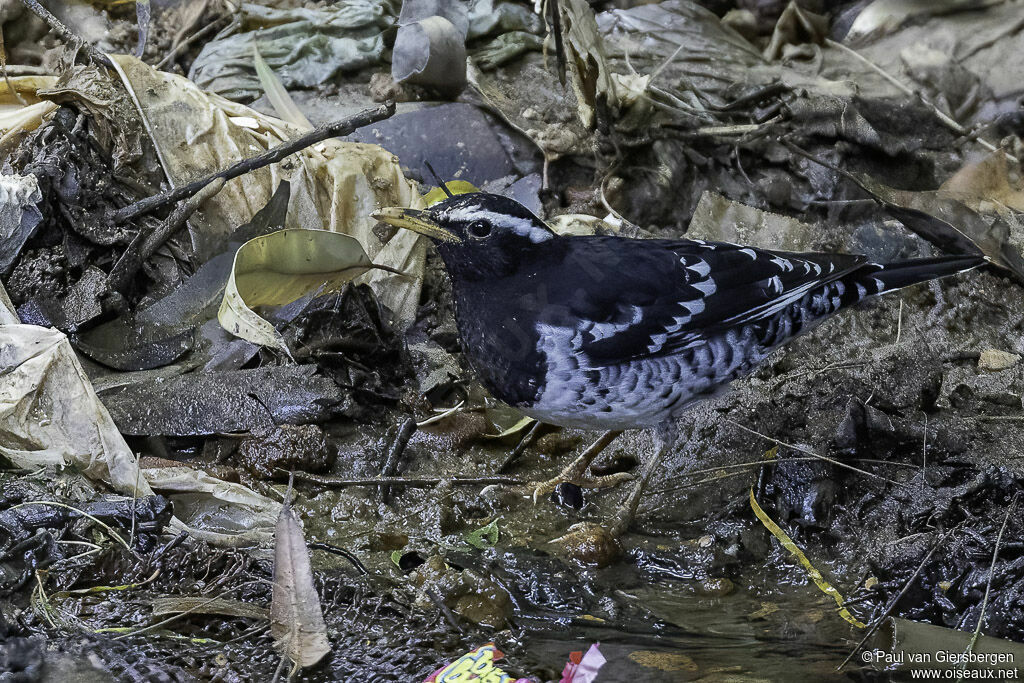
{"x": 916, "y": 400}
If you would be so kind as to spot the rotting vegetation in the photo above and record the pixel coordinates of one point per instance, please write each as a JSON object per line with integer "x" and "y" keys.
{"x": 785, "y": 127}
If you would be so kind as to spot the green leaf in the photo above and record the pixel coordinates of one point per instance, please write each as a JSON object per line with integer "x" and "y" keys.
{"x": 396, "y": 555}
{"x": 484, "y": 537}
{"x": 277, "y": 269}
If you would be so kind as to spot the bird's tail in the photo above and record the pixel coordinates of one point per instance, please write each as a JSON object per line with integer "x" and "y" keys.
{"x": 905, "y": 273}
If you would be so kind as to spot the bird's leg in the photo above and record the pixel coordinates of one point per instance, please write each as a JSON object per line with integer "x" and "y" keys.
{"x": 664, "y": 439}
{"x": 598, "y": 544}
{"x": 576, "y": 471}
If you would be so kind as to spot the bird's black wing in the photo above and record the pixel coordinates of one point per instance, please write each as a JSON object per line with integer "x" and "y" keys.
{"x": 644, "y": 298}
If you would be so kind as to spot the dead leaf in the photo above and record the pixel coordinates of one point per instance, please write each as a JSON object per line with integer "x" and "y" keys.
{"x": 985, "y": 183}
{"x": 591, "y": 76}
{"x": 277, "y": 269}
{"x": 296, "y": 620}
{"x": 948, "y": 224}
{"x": 176, "y": 604}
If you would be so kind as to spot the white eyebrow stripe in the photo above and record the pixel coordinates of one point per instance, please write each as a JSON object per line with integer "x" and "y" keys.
{"x": 520, "y": 226}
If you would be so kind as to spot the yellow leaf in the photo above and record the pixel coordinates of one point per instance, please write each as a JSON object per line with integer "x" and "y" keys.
{"x": 454, "y": 186}
{"x": 815, "y": 575}
{"x": 277, "y": 269}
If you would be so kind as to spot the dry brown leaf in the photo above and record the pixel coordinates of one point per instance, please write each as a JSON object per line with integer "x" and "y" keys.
{"x": 591, "y": 78}
{"x": 985, "y": 185}
{"x": 296, "y": 619}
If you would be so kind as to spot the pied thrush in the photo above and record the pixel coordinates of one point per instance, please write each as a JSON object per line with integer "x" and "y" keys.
{"x": 612, "y": 333}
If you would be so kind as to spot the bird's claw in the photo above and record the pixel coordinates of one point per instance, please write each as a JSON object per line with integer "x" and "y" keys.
{"x": 543, "y": 489}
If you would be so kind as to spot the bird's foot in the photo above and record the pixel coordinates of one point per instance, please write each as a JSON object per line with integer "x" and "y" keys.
{"x": 591, "y": 544}
{"x": 543, "y": 489}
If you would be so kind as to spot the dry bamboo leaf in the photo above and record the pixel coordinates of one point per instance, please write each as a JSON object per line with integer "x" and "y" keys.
{"x": 278, "y": 95}
{"x": 296, "y": 620}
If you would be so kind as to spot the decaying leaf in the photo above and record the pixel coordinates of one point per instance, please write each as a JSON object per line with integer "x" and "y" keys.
{"x": 277, "y": 269}
{"x": 985, "y": 185}
{"x": 591, "y": 78}
{"x": 948, "y": 224}
{"x": 335, "y": 184}
{"x": 519, "y": 426}
{"x": 177, "y": 604}
{"x": 40, "y": 377}
{"x": 296, "y": 619}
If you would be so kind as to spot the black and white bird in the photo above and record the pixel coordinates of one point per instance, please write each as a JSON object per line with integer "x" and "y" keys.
{"x": 612, "y": 333}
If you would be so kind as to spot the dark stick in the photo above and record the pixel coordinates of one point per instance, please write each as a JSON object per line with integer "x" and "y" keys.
{"x": 445, "y": 611}
{"x": 403, "y": 481}
{"x": 405, "y": 433}
{"x": 521, "y": 447}
{"x": 892, "y": 604}
{"x": 145, "y": 244}
{"x": 338, "y": 550}
{"x": 66, "y": 33}
{"x": 271, "y": 156}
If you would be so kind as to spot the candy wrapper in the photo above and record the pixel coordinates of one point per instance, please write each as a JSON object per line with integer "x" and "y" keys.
{"x": 583, "y": 668}
{"x": 477, "y": 666}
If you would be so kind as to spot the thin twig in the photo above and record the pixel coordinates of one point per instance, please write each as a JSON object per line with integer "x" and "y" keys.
{"x": 442, "y": 415}
{"x": 521, "y": 447}
{"x": 405, "y": 432}
{"x": 66, "y": 33}
{"x": 448, "y": 615}
{"x": 146, "y": 243}
{"x": 271, "y": 156}
{"x": 403, "y": 481}
{"x": 892, "y": 604}
{"x": 338, "y": 550}
{"x": 948, "y": 121}
{"x": 808, "y": 451}
{"x": 988, "y": 584}
{"x": 201, "y": 33}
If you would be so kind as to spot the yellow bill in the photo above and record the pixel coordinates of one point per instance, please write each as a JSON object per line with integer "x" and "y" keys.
{"x": 415, "y": 220}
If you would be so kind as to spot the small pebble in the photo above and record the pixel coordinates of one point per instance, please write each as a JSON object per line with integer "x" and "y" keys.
{"x": 993, "y": 360}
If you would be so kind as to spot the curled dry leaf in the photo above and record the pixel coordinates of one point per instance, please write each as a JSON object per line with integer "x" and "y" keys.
{"x": 279, "y": 268}
{"x": 296, "y": 619}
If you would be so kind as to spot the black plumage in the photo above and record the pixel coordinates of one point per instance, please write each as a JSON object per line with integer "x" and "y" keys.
{"x": 612, "y": 333}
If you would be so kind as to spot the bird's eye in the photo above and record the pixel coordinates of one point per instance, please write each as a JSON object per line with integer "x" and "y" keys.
{"x": 479, "y": 229}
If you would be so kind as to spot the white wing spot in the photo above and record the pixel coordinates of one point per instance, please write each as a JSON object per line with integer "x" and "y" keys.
{"x": 749, "y": 252}
{"x": 702, "y": 268}
{"x": 705, "y": 287}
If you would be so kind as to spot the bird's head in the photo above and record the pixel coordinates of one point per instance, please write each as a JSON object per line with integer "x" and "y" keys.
{"x": 479, "y": 235}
